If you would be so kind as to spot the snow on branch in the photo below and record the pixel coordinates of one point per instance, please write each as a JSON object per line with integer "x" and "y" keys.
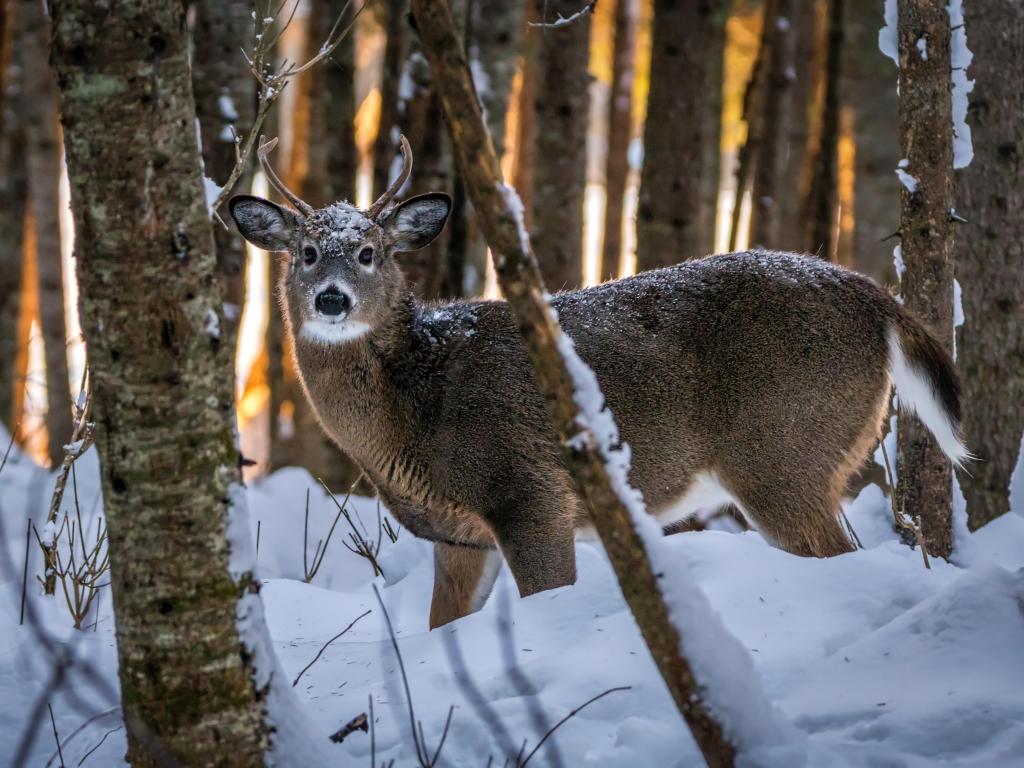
{"x": 565, "y": 21}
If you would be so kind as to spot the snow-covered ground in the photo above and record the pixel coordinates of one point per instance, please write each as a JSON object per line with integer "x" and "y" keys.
{"x": 878, "y": 661}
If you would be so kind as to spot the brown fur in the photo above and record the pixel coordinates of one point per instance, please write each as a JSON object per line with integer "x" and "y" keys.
{"x": 770, "y": 370}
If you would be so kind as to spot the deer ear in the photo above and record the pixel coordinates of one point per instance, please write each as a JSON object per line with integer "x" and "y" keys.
{"x": 415, "y": 223}
{"x": 263, "y": 223}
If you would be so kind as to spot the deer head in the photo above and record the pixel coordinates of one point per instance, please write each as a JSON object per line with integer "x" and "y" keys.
{"x": 343, "y": 280}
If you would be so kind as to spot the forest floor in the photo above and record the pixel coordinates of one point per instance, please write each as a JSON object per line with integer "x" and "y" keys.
{"x": 877, "y": 660}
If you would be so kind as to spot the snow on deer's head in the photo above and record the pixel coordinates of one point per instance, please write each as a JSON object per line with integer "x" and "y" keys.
{"x": 343, "y": 280}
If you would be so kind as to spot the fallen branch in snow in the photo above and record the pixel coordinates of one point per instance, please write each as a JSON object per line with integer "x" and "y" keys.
{"x": 357, "y": 723}
{"x": 323, "y": 648}
{"x": 559, "y": 378}
{"x": 565, "y": 21}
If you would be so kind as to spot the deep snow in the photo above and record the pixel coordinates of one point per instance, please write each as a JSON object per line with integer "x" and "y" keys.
{"x": 874, "y": 659}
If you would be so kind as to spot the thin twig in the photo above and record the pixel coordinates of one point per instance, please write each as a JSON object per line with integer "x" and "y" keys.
{"x": 569, "y": 716}
{"x": 565, "y": 21}
{"x": 99, "y": 744}
{"x": 324, "y": 647}
{"x": 56, "y": 736}
{"x": 24, "y": 575}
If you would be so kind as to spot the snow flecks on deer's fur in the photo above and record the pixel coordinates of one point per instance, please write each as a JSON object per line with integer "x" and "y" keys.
{"x": 439, "y": 323}
{"x": 723, "y": 669}
{"x": 338, "y": 224}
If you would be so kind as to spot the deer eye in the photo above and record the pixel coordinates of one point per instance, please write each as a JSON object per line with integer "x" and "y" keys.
{"x": 366, "y": 256}
{"x": 309, "y": 255}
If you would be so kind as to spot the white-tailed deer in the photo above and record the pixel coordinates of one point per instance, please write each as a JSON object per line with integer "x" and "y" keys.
{"x": 757, "y": 378}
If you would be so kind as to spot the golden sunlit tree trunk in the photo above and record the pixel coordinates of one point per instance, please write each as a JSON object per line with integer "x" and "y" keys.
{"x": 162, "y": 392}
{"x": 561, "y": 102}
{"x": 990, "y": 258}
{"x": 43, "y": 168}
{"x": 925, "y": 485}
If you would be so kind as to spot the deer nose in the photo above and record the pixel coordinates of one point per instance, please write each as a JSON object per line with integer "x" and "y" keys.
{"x": 332, "y": 302}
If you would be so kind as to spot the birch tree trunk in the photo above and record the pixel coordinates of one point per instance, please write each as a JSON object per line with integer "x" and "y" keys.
{"x": 869, "y": 90}
{"x": 561, "y": 103}
{"x": 162, "y": 391}
{"x": 990, "y": 263}
{"x": 43, "y": 168}
{"x": 521, "y": 281}
{"x": 225, "y": 93}
{"x": 620, "y": 124}
{"x": 765, "y": 209}
{"x": 13, "y": 194}
{"x": 926, "y": 235}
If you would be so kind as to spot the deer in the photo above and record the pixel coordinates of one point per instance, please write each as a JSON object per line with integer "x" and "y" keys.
{"x": 757, "y": 378}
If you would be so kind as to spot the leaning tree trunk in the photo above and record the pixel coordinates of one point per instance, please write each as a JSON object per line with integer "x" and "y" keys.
{"x": 620, "y": 124}
{"x": 162, "y": 390}
{"x": 523, "y": 285}
{"x": 560, "y": 106}
{"x": 765, "y": 209}
{"x": 990, "y": 263}
{"x": 13, "y": 193}
{"x": 43, "y": 167}
{"x": 926, "y": 236}
{"x": 225, "y": 93}
{"x": 822, "y": 205}
{"x": 670, "y": 225}
{"x": 869, "y": 93}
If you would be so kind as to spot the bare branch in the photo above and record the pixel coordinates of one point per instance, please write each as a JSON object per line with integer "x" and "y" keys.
{"x": 324, "y": 647}
{"x": 565, "y": 21}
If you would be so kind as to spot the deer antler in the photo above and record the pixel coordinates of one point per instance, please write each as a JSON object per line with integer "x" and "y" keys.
{"x": 389, "y": 194}
{"x": 265, "y": 148}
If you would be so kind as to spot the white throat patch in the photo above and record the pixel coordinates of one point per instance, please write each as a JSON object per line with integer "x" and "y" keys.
{"x": 325, "y": 332}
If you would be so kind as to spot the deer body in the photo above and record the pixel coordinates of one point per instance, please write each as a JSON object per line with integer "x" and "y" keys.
{"x": 758, "y": 378}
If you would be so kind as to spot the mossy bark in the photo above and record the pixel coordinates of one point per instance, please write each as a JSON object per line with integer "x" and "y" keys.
{"x": 925, "y": 486}
{"x": 162, "y": 389}
{"x": 990, "y": 258}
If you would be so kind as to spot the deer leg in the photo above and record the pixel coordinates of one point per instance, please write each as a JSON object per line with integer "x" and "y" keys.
{"x": 796, "y": 521}
{"x": 463, "y": 579}
{"x": 540, "y": 556}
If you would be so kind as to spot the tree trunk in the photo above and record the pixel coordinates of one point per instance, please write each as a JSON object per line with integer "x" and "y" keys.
{"x": 561, "y": 103}
{"x": 13, "y": 194}
{"x": 620, "y": 125}
{"x": 522, "y": 173}
{"x": 161, "y": 383}
{"x": 523, "y": 286}
{"x": 805, "y": 123}
{"x": 870, "y": 91}
{"x": 990, "y": 262}
{"x": 225, "y": 93}
{"x": 925, "y": 482}
{"x": 822, "y": 206}
{"x": 340, "y": 117}
{"x": 43, "y": 166}
{"x": 385, "y": 146}
{"x": 765, "y": 209}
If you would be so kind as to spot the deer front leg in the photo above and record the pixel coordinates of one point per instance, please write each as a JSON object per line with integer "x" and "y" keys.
{"x": 540, "y": 553}
{"x": 463, "y": 579}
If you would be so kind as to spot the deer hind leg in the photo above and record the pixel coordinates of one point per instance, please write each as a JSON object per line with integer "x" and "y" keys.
{"x": 799, "y": 519}
{"x": 463, "y": 579}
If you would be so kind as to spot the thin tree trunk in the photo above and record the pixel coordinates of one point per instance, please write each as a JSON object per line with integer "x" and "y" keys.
{"x": 340, "y": 115}
{"x": 753, "y": 117}
{"x": 385, "y": 146}
{"x": 822, "y": 206}
{"x": 990, "y": 263}
{"x": 43, "y": 166}
{"x": 711, "y": 165}
{"x": 522, "y": 173}
{"x": 523, "y": 285}
{"x": 620, "y": 125}
{"x": 225, "y": 93}
{"x": 805, "y": 122}
{"x": 925, "y": 480}
{"x": 561, "y": 103}
{"x": 870, "y": 91}
{"x": 765, "y": 209}
{"x": 162, "y": 389}
{"x": 13, "y": 194}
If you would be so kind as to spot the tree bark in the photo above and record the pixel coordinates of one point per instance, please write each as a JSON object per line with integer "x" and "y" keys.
{"x": 926, "y": 236}
{"x": 522, "y": 173}
{"x": 620, "y": 125}
{"x": 162, "y": 390}
{"x": 822, "y": 205}
{"x": 43, "y": 167}
{"x": 340, "y": 115}
{"x": 521, "y": 280}
{"x": 385, "y": 145}
{"x": 561, "y": 103}
{"x": 990, "y": 263}
{"x": 13, "y": 194}
{"x": 765, "y": 209}
{"x": 870, "y": 91}
{"x": 225, "y": 93}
